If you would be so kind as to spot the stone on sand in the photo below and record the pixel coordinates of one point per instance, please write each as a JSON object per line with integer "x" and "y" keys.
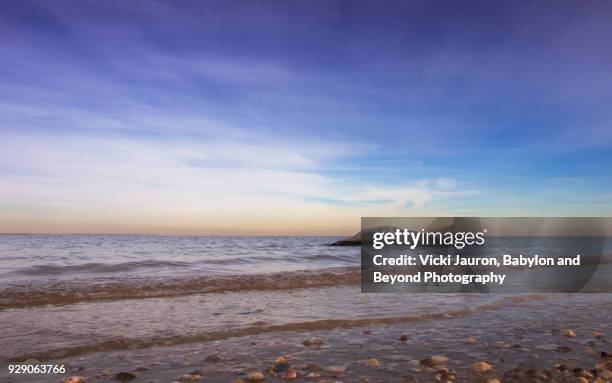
{"x": 336, "y": 370}
{"x": 290, "y": 374}
{"x": 73, "y": 379}
{"x": 371, "y": 362}
{"x": 191, "y": 377}
{"x": 434, "y": 360}
{"x": 481, "y": 367}
{"x": 314, "y": 341}
{"x": 255, "y": 376}
{"x": 598, "y": 334}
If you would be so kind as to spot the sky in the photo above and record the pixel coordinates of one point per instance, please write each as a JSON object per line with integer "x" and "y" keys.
{"x": 300, "y": 117}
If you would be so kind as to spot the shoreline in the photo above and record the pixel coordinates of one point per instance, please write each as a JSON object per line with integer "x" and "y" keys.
{"x": 520, "y": 342}
{"x": 22, "y": 295}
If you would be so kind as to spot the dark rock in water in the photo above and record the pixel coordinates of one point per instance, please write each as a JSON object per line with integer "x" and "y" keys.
{"x": 124, "y": 377}
{"x": 280, "y": 367}
{"x": 403, "y": 338}
{"x": 213, "y": 358}
{"x": 357, "y": 239}
{"x": 439, "y": 224}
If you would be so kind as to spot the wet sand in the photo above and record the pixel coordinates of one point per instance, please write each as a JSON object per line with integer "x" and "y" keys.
{"x": 524, "y": 340}
{"x": 155, "y": 309}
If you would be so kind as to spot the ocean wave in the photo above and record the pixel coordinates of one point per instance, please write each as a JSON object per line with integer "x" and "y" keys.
{"x": 96, "y": 267}
{"x": 261, "y": 328}
{"x": 75, "y": 291}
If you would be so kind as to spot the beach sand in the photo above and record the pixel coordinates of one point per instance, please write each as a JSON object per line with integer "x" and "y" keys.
{"x": 522, "y": 339}
{"x": 166, "y": 309}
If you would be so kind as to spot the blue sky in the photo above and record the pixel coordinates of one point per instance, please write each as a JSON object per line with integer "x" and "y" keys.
{"x": 264, "y": 117}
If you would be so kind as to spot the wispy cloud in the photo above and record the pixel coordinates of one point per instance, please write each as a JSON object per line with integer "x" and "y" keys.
{"x": 195, "y": 115}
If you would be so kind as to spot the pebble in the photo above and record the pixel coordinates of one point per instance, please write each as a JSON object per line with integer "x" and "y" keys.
{"x": 255, "y": 376}
{"x": 570, "y": 333}
{"x": 434, "y": 360}
{"x": 493, "y": 380}
{"x": 586, "y": 374}
{"x": 190, "y": 377}
{"x": 315, "y": 341}
{"x": 289, "y": 374}
{"x": 598, "y": 334}
{"x": 124, "y": 377}
{"x": 403, "y": 338}
{"x": 73, "y": 379}
{"x": 213, "y": 358}
{"x": 313, "y": 374}
{"x": 336, "y": 370}
{"x": 280, "y": 360}
{"x": 481, "y": 367}
{"x": 371, "y": 362}
{"x": 471, "y": 341}
{"x": 281, "y": 367}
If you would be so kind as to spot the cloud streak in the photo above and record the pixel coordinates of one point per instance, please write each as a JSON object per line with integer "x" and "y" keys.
{"x": 207, "y": 118}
